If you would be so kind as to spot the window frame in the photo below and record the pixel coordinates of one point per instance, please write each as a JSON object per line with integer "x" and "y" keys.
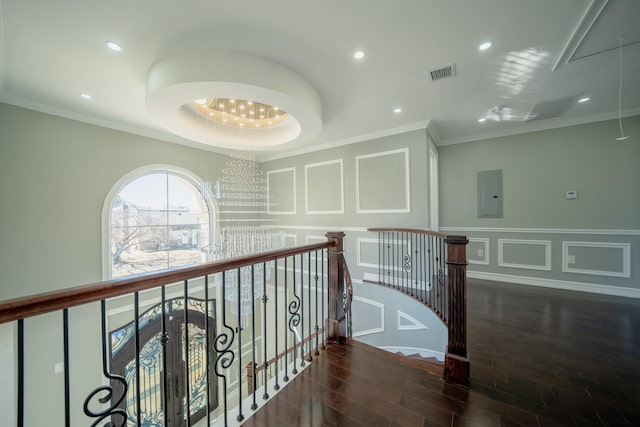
{"x": 187, "y": 175}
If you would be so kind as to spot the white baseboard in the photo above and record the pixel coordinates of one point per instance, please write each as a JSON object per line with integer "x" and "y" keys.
{"x": 557, "y": 284}
{"x": 413, "y": 350}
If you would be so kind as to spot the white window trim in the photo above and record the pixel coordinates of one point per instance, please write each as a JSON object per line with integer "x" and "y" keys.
{"x": 186, "y": 174}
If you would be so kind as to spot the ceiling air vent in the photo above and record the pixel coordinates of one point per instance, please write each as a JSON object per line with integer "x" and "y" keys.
{"x": 549, "y": 109}
{"x": 443, "y": 73}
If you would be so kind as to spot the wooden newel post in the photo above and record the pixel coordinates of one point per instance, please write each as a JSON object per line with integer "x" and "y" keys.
{"x": 456, "y": 364}
{"x": 336, "y": 323}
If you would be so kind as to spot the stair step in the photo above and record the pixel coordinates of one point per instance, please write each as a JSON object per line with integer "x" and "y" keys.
{"x": 418, "y": 356}
{"x": 433, "y": 367}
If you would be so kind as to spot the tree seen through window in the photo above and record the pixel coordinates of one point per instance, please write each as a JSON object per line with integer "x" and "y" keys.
{"x": 158, "y": 221}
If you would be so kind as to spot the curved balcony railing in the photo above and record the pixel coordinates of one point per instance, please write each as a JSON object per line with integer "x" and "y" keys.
{"x": 431, "y": 267}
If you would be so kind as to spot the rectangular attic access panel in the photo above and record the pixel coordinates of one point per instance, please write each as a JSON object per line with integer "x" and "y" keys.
{"x": 490, "y": 194}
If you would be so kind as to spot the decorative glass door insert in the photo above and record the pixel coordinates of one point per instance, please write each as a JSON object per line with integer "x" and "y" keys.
{"x": 170, "y": 369}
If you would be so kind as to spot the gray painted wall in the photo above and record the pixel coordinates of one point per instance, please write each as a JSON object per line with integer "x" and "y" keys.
{"x": 538, "y": 168}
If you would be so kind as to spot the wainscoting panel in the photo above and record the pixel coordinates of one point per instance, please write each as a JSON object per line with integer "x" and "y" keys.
{"x": 383, "y": 182}
{"x": 281, "y": 190}
{"x": 478, "y": 251}
{"x": 529, "y": 254}
{"x": 368, "y": 252}
{"x": 408, "y": 323}
{"x": 370, "y": 313}
{"x": 597, "y": 258}
{"x": 587, "y": 260}
{"x": 324, "y": 187}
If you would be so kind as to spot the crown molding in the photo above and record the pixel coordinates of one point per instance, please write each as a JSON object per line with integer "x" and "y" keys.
{"x": 105, "y": 123}
{"x": 540, "y": 126}
{"x": 422, "y": 124}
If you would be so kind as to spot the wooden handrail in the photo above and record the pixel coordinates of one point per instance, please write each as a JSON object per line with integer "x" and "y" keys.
{"x": 410, "y": 230}
{"x": 33, "y": 305}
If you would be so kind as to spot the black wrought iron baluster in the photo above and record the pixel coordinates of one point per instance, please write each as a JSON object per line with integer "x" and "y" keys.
{"x": 265, "y": 298}
{"x": 405, "y": 262}
{"x": 136, "y": 310}
{"x": 294, "y": 319}
{"x": 416, "y": 263}
{"x": 393, "y": 258}
{"x": 388, "y": 259}
{"x": 65, "y": 345}
{"x": 442, "y": 278}
{"x": 164, "y": 339}
{"x": 240, "y": 416}
{"x": 302, "y": 307}
{"x": 222, "y": 345}
{"x": 20, "y": 409}
{"x": 187, "y": 387}
{"x": 324, "y": 317}
{"x": 286, "y": 306}
{"x": 207, "y": 346}
{"x": 113, "y": 409}
{"x": 423, "y": 261}
{"x": 254, "y": 381}
{"x": 397, "y": 260}
{"x": 430, "y": 259}
{"x": 317, "y": 328}
{"x": 275, "y": 320}
{"x": 310, "y": 344}
{"x": 439, "y": 261}
{"x": 380, "y": 256}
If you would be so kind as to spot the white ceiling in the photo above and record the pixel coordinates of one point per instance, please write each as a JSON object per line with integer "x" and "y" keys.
{"x": 544, "y": 50}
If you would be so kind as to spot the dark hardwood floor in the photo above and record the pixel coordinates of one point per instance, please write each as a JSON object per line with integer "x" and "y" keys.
{"x": 539, "y": 357}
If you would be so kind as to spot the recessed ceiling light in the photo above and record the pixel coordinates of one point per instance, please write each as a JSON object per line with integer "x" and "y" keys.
{"x": 358, "y": 54}
{"x": 85, "y": 96}
{"x": 114, "y": 46}
{"x": 397, "y": 110}
{"x": 485, "y": 45}
{"x": 585, "y": 99}
{"x": 482, "y": 120}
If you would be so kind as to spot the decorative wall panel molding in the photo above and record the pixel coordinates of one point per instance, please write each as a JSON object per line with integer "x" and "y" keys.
{"x": 324, "y": 187}
{"x": 364, "y": 256}
{"x": 545, "y": 244}
{"x": 485, "y": 259}
{"x": 281, "y": 190}
{"x": 367, "y": 304}
{"x": 408, "y": 323}
{"x": 387, "y": 192}
{"x": 623, "y": 261}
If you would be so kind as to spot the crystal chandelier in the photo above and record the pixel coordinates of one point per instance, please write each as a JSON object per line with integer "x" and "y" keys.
{"x": 242, "y": 185}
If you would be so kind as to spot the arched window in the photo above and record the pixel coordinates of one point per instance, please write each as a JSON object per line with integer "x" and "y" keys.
{"x": 157, "y": 219}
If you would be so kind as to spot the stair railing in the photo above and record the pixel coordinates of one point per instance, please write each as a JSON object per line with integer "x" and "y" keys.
{"x": 303, "y": 301}
{"x": 431, "y": 267}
